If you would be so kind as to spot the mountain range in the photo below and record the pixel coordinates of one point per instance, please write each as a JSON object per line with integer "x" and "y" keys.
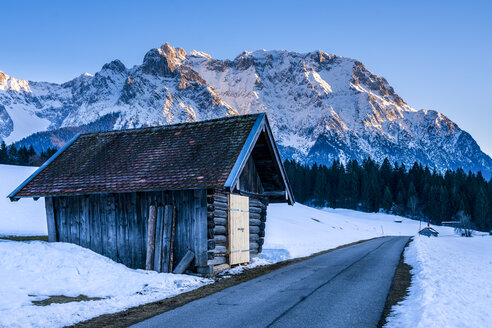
{"x": 321, "y": 106}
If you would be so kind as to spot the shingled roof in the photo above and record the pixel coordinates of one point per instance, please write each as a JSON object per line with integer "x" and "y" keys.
{"x": 182, "y": 156}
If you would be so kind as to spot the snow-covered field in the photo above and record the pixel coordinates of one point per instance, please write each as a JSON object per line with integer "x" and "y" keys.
{"x": 34, "y": 270}
{"x": 450, "y": 284}
{"x": 301, "y": 230}
{"x": 25, "y": 217}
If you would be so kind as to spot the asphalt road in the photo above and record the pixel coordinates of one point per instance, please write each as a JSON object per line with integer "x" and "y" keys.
{"x": 343, "y": 288}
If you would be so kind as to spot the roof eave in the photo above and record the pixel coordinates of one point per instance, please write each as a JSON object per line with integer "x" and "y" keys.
{"x": 13, "y": 194}
{"x": 288, "y": 189}
{"x": 245, "y": 152}
{"x": 260, "y": 125}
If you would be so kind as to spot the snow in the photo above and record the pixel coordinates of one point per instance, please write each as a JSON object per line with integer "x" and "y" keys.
{"x": 25, "y": 217}
{"x": 25, "y": 123}
{"x": 11, "y": 83}
{"x": 195, "y": 53}
{"x": 299, "y": 230}
{"x": 36, "y": 270}
{"x": 451, "y": 285}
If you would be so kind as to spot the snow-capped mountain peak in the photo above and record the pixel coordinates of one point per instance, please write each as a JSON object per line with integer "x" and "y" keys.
{"x": 10, "y": 83}
{"x": 321, "y": 106}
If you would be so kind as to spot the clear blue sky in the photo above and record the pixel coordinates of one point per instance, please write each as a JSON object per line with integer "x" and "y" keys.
{"x": 437, "y": 55}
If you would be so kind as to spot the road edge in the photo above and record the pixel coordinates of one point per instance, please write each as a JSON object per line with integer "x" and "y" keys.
{"x": 402, "y": 280}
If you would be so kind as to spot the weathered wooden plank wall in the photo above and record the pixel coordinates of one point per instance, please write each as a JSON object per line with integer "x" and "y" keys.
{"x": 115, "y": 225}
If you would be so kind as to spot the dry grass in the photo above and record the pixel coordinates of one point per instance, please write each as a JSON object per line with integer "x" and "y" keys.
{"x": 399, "y": 287}
{"x": 60, "y": 299}
{"x": 25, "y": 238}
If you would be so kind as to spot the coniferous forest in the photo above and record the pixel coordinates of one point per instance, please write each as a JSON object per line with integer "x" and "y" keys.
{"x": 417, "y": 192}
{"x": 23, "y": 156}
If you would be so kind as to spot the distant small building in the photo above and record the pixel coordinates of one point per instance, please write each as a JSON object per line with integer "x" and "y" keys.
{"x": 428, "y": 231}
{"x": 153, "y": 198}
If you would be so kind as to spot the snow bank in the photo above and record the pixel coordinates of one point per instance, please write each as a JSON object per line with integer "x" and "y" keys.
{"x": 451, "y": 286}
{"x": 25, "y": 217}
{"x": 35, "y": 270}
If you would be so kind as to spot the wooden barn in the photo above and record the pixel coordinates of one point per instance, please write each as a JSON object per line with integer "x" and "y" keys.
{"x": 189, "y": 196}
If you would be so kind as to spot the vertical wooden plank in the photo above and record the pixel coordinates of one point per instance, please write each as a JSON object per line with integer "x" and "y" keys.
{"x": 120, "y": 229}
{"x": 108, "y": 225}
{"x": 74, "y": 208}
{"x": 64, "y": 235}
{"x": 199, "y": 227}
{"x": 144, "y": 226}
{"x": 129, "y": 229}
{"x": 85, "y": 239}
{"x": 57, "y": 211}
{"x": 150, "y": 238}
{"x": 69, "y": 219}
{"x": 135, "y": 237}
{"x": 126, "y": 205}
{"x": 51, "y": 219}
{"x": 96, "y": 224}
{"x": 110, "y": 220}
{"x": 103, "y": 223}
{"x": 123, "y": 210}
{"x": 167, "y": 238}
{"x": 173, "y": 237}
{"x": 245, "y": 253}
{"x": 182, "y": 227}
{"x": 158, "y": 239}
{"x": 139, "y": 224}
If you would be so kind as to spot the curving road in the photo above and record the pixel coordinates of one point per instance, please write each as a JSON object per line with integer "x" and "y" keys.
{"x": 343, "y": 288}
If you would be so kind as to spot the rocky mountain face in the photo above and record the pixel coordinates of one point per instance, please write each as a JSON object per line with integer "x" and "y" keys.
{"x": 321, "y": 106}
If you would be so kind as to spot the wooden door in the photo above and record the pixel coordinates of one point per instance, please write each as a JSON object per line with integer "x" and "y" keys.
{"x": 238, "y": 236}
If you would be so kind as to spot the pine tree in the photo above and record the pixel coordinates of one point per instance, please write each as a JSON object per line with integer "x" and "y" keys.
{"x": 413, "y": 200}
{"x": 481, "y": 209}
{"x": 342, "y": 190}
{"x": 13, "y": 155}
{"x": 400, "y": 198}
{"x": 400, "y": 204}
{"x": 23, "y": 156}
{"x": 387, "y": 201}
{"x": 443, "y": 205}
{"x": 4, "y": 155}
{"x": 353, "y": 182}
{"x": 319, "y": 192}
{"x": 433, "y": 209}
{"x": 386, "y": 173}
